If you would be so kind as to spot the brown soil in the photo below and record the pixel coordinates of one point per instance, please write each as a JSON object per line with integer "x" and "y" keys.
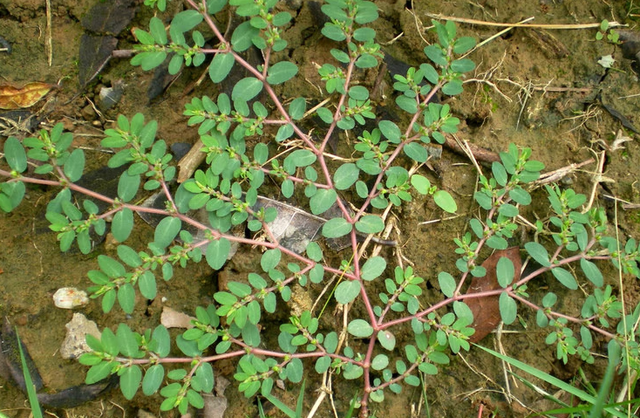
{"x": 537, "y": 89}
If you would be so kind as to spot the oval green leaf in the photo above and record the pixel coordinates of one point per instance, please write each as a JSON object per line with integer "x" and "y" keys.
{"x": 360, "y": 328}
{"x": 281, "y": 71}
{"x": 246, "y": 89}
{"x": 336, "y": 227}
{"x": 166, "y": 231}
{"x": 347, "y": 291}
{"x": 217, "y": 253}
{"x": 221, "y": 66}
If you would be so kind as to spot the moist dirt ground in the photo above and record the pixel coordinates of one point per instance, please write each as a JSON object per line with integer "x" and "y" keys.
{"x": 536, "y": 87}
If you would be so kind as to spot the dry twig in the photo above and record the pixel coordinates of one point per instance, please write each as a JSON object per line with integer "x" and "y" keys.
{"x": 525, "y": 25}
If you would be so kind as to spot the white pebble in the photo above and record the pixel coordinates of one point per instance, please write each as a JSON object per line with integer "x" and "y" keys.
{"x": 69, "y": 298}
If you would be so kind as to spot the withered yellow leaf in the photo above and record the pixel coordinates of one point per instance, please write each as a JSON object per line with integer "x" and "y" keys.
{"x": 17, "y": 98}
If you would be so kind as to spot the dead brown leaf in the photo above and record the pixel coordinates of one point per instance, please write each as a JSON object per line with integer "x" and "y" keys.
{"x": 486, "y": 310}
{"x": 15, "y": 98}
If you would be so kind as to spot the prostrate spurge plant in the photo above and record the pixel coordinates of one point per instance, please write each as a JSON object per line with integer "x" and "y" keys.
{"x": 229, "y": 186}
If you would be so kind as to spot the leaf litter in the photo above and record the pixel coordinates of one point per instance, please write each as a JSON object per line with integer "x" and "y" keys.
{"x": 12, "y": 98}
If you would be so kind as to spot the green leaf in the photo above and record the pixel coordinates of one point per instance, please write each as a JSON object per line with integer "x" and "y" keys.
{"x": 508, "y": 210}
{"x": 109, "y": 342}
{"x": 185, "y": 21}
{"x": 565, "y": 277}
{"x": 217, "y": 253}
{"x": 166, "y": 231}
{"x": 156, "y": 28}
{"x": 122, "y": 224}
{"x": 98, "y": 372}
{"x": 11, "y": 196}
{"x": 322, "y": 201}
{"x": 221, "y": 66}
{"x": 463, "y": 45}
{"x": 379, "y": 362}
{"x": 316, "y": 274}
{"x": 367, "y": 12}
{"x": 416, "y": 152}
{"x": 452, "y": 88}
{"x": 447, "y": 283}
{"x": 336, "y": 228}
{"x": 345, "y": 176}
{"x": 281, "y": 19}
{"x": 314, "y": 252}
{"x": 205, "y": 376}
{"x": 74, "y": 166}
{"x": 387, "y": 339}
{"x": 167, "y": 273}
{"x": 499, "y": 173}
{"x": 333, "y": 32}
{"x": 147, "y": 284}
{"x": 463, "y": 65}
{"x": 521, "y": 196}
{"x": 127, "y": 297}
{"x": 281, "y": 71}
{"x": 130, "y": 379}
{"x": 508, "y": 308}
{"x": 152, "y": 379}
{"x": 366, "y": 61}
{"x": 297, "y": 108}
{"x": 129, "y": 256}
{"x": 358, "y": 92}
{"x": 111, "y": 267}
{"x": 360, "y": 328}
{"x": 444, "y": 200}
{"x": 284, "y": 132}
{"x": 592, "y": 272}
{"x": 295, "y": 370}
{"x": 364, "y": 34}
{"x": 370, "y": 224}
{"x": 373, "y": 268}
{"x": 538, "y": 253}
{"x": 463, "y": 312}
{"x": 108, "y": 300}
{"x": 347, "y": 291}
{"x": 497, "y": 243}
{"x": 323, "y": 364}
{"x": 270, "y": 259}
{"x": 299, "y": 158}
{"x": 287, "y": 188}
{"x": 149, "y": 60}
{"x": 128, "y": 186}
{"x": 161, "y": 336}
{"x": 421, "y": 184}
{"x": 246, "y": 89}
{"x": 390, "y": 131}
{"x": 241, "y": 40}
{"x": 505, "y": 271}
{"x": 15, "y": 154}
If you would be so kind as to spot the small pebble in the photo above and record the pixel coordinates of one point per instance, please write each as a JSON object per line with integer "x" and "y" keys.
{"x": 74, "y": 344}
{"x": 70, "y": 298}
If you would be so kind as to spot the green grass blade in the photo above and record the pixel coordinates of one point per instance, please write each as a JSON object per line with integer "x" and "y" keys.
{"x": 552, "y": 380}
{"x": 352, "y": 406}
{"x": 281, "y": 406}
{"x": 31, "y": 389}
{"x": 300, "y": 403}
{"x": 603, "y": 394}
